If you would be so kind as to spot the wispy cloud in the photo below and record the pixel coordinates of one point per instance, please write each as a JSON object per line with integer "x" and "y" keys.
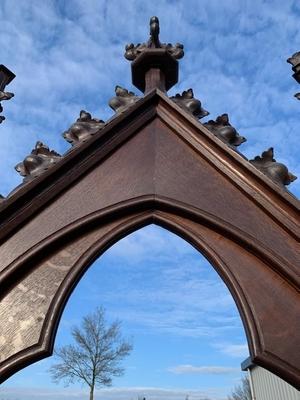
{"x": 123, "y": 393}
{"x": 211, "y": 370}
{"x": 69, "y": 56}
{"x": 233, "y": 350}
{"x": 175, "y": 294}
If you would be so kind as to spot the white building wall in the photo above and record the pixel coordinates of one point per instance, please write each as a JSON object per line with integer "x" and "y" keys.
{"x": 267, "y": 386}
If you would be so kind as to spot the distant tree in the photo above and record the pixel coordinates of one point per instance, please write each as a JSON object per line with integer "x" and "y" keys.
{"x": 242, "y": 391}
{"x": 96, "y": 355}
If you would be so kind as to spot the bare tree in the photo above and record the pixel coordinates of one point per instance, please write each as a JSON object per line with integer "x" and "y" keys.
{"x": 96, "y": 355}
{"x": 242, "y": 391}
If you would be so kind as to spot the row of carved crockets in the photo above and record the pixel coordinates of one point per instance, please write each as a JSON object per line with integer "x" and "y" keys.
{"x": 42, "y": 158}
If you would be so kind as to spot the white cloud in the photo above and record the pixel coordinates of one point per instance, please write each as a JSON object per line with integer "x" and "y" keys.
{"x": 69, "y": 56}
{"x": 123, "y": 393}
{"x": 210, "y": 370}
{"x": 185, "y": 304}
{"x": 234, "y": 350}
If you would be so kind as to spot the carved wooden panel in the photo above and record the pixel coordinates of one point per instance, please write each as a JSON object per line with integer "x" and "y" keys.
{"x": 152, "y": 165}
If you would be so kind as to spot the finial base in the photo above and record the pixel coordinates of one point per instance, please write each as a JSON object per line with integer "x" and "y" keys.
{"x": 154, "y": 68}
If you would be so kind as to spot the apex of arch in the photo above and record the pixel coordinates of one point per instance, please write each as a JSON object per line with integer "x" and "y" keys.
{"x": 154, "y": 67}
{"x": 154, "y": 64}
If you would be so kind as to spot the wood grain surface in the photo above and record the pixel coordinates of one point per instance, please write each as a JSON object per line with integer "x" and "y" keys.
{"x": 152, "y": 164}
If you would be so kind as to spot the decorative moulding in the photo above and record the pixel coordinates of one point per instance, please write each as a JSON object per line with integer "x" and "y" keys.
{"x": 154, "y": 64}
{"x": 278, "y": 172}
{"x": 295, "y": 62}
{"x": 187, "y": 101}
{"x": 133, "y": 51}
{"x": 225, "y": 131}
{"x": 2, "y": 118}
{"x": 122, "y": 100}
{"x": 84, "y": 127}
{"x": 39, "y": 160}
{"x": 6, "y": 76}
{"x": 4, "y": 96}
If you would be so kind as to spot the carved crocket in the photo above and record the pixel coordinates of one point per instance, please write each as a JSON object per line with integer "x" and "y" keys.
{"x": 278, "y": 172}
{"x": 187, "y": 101}
{"x": 122, "y": 100}
{"x": 84, "y": 127}
{"x": 225, "y": 131}
{"x": 4, "y": 96}
{"x": 39, "y": 160}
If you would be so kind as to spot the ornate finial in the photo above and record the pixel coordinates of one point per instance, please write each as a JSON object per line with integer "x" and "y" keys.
{"x": 187, "y": 101}
{"x": 154, "y": 33}
{"x": 133, "y": 51}
{"x": 122, "y": 100}
{"x": 84, "y": 127}
{"x": 6, "y": 76}
{"x": 154, "y": 63}
{"x": 39, "y": 160}
{"x": 225, "y": 131}
{"x": 295, "y": 62}
{"x": 269, "y": 166}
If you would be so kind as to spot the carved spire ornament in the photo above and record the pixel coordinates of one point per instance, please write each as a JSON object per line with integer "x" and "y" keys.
{"x": 83, "y": 128}
{"x": 133, "y": 51}
{"x": 122, "y": 100}
{"x": 278, "y": 172}
{"x": 225, "y": 131}
{"x": 154, "y": 64}
{"x": 295, "y": 62}
{"x": 187, "y": 101}
{"x": 39, "y": 160}
{"x": 6, "y": 76}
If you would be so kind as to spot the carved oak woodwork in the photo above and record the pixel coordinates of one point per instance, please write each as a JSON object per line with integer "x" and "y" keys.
{"x": 278, "y": 172}
{"x": 133, "y": 51}
{"x": 154, "y": 64}
{"x": 187, "y": 101}
{"x": 152, "y": 163}
{"x": 122, "y": 100}
{"x": 39, "y": 160}
{"x": 83, "y": 128}
{"x": 295, "y": 62}
{"x": 225, "y": 131}
{"x": 6, "y": 76}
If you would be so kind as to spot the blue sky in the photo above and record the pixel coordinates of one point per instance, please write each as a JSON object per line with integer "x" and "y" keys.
{"x": 188, "y": 337}
{"x": 68, "y": 56}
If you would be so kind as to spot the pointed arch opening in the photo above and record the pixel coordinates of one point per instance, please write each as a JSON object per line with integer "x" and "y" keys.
{"x": 185, "y": 320}
{"x": 67, "y": 255}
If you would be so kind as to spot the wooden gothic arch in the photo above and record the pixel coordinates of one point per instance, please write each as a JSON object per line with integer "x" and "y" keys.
{"x": 152, "y": 163}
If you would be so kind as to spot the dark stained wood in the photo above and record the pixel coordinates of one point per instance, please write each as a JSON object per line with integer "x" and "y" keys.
{"x": 152, "y": 164}
{"x": 154, "y": 78}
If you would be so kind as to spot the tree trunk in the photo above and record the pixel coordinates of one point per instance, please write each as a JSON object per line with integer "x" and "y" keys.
{"x": 92, "y": 392}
